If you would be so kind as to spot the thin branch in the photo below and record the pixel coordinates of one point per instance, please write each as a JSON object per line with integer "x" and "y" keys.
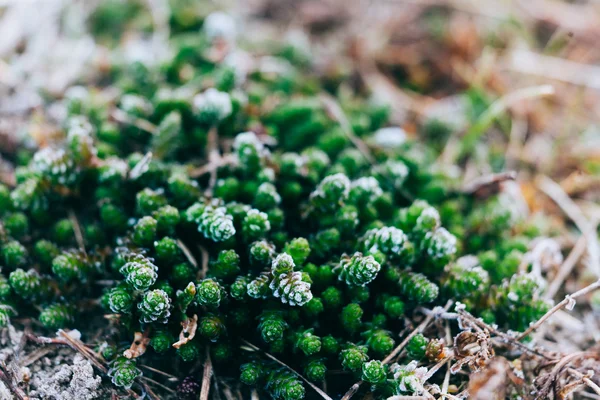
{"x": 158, "y": 371}
{"x": 122, "y": 117}
{"x": 446, "y": 383}
{"x": 6, "y": 377}
{"x": 505, "y": 337}
{"x": 77, "y": 229}
{"x": 568, "y": 301}
{"x": 36, "y": 355}
{"x": 206, "y": 376}
{"x": 205, "y": 256}
{"x": 213, "y": 166}
{"x": 585, "y": 379}
{"x": 556, "y": 370}
{"x": 141, "y": 166}
{"x": 450, "y": 396}
{"x": 149, "y": 391}
{"x": 549, "y": 67}
{"x": 335, "y": 111}
{"x": 188, "y": 254}
{"x": 572, "y": 210}
{"x": 78, "y": 346}
{"x": 486, "y": 185}
{"x": 312, "y": 385}
{"x": 212, "y": 146}
{"x": 419, "y": 329}
{"x": 436, "y": 367}
{"x": 567, "y": 266}
{"x": 487, "y": 118}
{"x": 160, "y": 385}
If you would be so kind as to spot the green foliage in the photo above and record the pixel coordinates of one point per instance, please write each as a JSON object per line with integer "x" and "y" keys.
{"x": 416, "y": 346}
{"x": 407, "y": 379}
{"x": 374, "y": 372}
{"x": 14, "y": 254}
{"x": 155, "y": 307}
{"x": 358, "y": 270}
{"x": 353, "y": 357}
{"x": 56, "y": 316}
{"x": 209, "y": 293}
{"x": 308, "y": 342}
{"x": 213, "y": 222}
{"x": 120, "y": 300}
{"x": 282, "y": 384}
{"x": 188, "y": 352}
{"x": 227, "y": 265}
{"x": 272, "y": 326}
{"x": 144, "y": 231}
{"x": 72, "y": 265}
{"x": 331, "y": 192}
{"x": 298, "y": 249}
{"x": 160, "y": 204}
{"x": 351, "y": 317}
{"x": 390, "y": 241}
{"x": 161, "y": 341}
{"x": 287, "y": 285}
{"x": 26, "y": 284}
{"x": 417, "y": 288}
{"x": 379, "y": 341}
{"x": 466, "y": 279}
{"x": 211, "y": 327}
{"x": 251, "y": 373}
{"x": 315, "y": 370}
{"x": 255, "y": 225}
{"x": 123, "y": 372}
{"x": 139, "y": 271}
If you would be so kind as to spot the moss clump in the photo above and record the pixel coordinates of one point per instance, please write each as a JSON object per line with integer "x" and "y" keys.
{"x": 290, "y": 237}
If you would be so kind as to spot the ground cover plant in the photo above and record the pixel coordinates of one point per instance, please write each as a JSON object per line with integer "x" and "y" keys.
{"x": 228, "y": 222}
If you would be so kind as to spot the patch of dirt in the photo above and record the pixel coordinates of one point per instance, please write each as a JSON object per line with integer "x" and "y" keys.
{"x": 52, "y": 373}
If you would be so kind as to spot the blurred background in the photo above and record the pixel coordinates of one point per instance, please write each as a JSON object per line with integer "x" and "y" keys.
{"x": 432, "y": 60}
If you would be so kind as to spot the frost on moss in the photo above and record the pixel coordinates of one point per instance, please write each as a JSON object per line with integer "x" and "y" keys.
{"x": 209, "y": 203}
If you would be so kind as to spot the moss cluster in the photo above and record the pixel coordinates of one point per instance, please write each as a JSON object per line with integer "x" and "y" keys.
{"x": 317, "y": 252}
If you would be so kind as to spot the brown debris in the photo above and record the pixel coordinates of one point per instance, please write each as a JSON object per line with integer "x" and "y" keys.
{"x": 139, "y": 345}
{"x": 188, "y": 332}
{"x": 473, "y": 349}
{"x": 492, "y": 382}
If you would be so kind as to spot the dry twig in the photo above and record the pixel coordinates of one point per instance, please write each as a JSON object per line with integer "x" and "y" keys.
{"x": 558, "y": 195}
{"x": 139, "y": 344}
{"x": 422, "y": 326}
{"x": 206, "y": 376}
{"x": 77, "y": 230}
{"x": 121, "y": 117}
{"x": 567, "y": 266}
{"x": 488, "y": 185}
{"x": 188, "y": 331}
{"x": 205, "y": 256}
{"x": 335, "y": 111}
{"x": 568, "y": 302}
{"x": 213, "y": 166}
{"x": 7, "y": 378}
{"x": 212, "y": 146}
{"x": 188, "y": 254}
{"x": 313, "y": 386}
